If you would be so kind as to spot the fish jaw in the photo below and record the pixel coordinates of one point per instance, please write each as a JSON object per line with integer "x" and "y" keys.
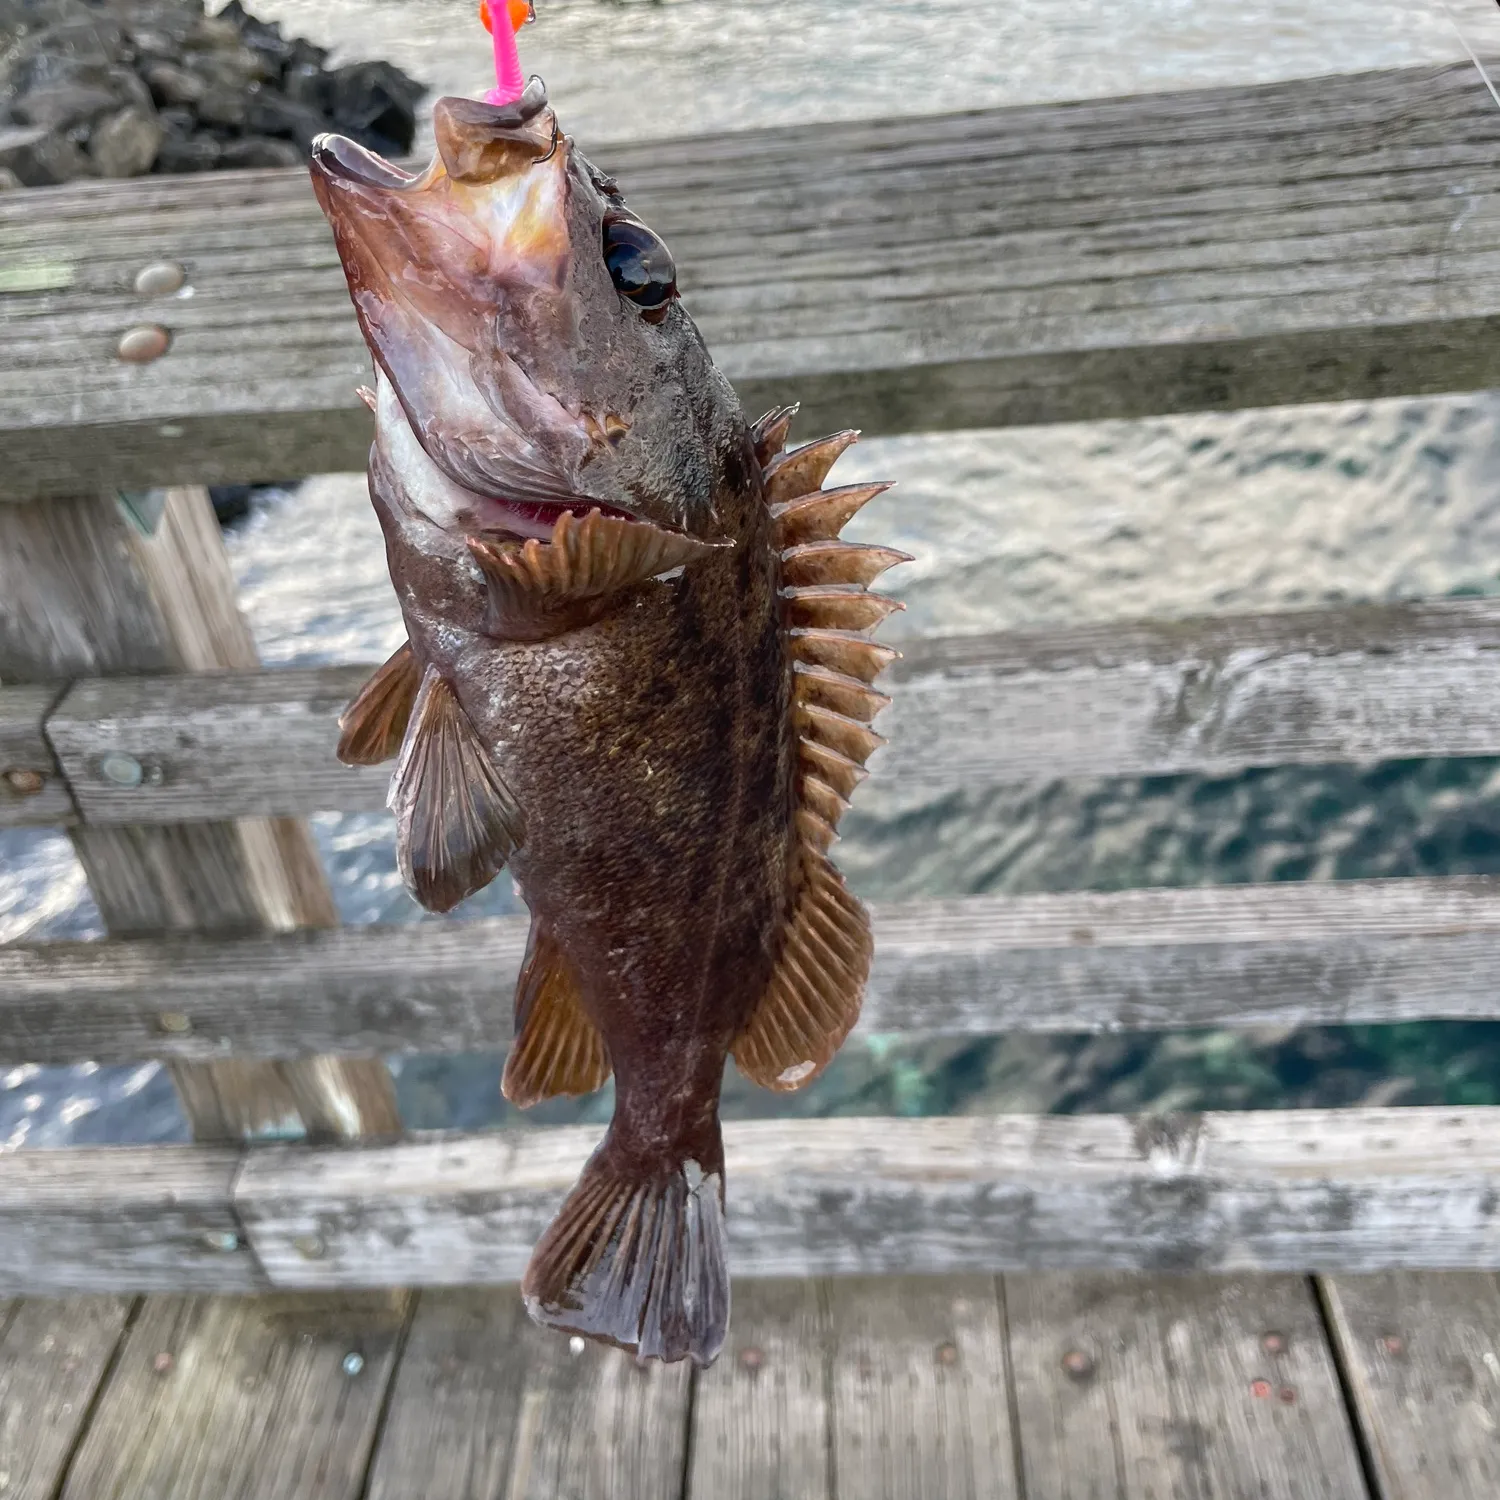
{"x": 438, "y": 264}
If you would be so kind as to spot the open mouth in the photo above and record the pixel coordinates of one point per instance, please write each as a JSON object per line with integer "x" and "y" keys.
{"x": 506, "y": 520}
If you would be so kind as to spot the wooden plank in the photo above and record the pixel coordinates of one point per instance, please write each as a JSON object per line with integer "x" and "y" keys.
{"x": 1309, "y": 240}
{"x": 273, "y": 1397}
{"x": 486, "y": 1404}
{"x": 1140, "y": 1389}
{"x": 761, "y": 1413}
{"x": 110, "y": 1220}
{"x": 1420, "y": 1355}
{"x": 919, "y": 1390}
{"x": 1340, "y": 953}
{"x": 1270, "y": 1190}
{"x": 89, "y": 585}
{"x": 53, "y": 1356}
{"x": 1146, "y": 699}
{"x": 32, "y": 791}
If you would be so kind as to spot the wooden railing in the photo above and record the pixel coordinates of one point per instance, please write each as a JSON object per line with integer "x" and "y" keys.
{"x": 1322, "y": 239}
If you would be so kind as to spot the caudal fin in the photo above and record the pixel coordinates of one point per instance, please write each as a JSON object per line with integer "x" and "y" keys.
{"x": 637, "y": 1262}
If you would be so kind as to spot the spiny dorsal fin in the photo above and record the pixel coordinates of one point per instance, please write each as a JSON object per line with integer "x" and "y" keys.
{"x": 789, "y": 476}
{"x": 855, "y": 563}
{"x": 813, "y": 999}
{"x": 456, "y": 820}
{"x": 845, "y": 695}
{"x": 830, "y": 765}
{"x": 845, "y": 651}
{"x": 372, "y": 727}
{"x": 769, "y": 433}
{"x": 820, "y": 516}
{"x": 853, "y": 740}
{"x": 557, "y": 1049}
{"x": 833, "y": 606}
{"x": 541, "y": 589}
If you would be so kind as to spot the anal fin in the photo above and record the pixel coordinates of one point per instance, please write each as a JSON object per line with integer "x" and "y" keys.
{"x": 373, "y": 725}
{"x": 456, "y": 820}
{"x": 813, "y": 999}
{"x": 557, "y": 1049}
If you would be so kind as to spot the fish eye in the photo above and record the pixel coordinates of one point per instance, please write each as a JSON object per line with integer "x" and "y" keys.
{"x": 640, "y": 266}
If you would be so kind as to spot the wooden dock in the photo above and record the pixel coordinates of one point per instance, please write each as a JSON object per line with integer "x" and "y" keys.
{"x": 1036, "y": 1387}
{"x": 310, "y": 1303}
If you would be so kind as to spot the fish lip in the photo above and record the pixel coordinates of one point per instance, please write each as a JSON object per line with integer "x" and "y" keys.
{"x": 339, "y": 160}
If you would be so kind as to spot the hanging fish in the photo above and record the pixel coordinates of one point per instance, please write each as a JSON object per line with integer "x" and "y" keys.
{"x": 638, "y": 673}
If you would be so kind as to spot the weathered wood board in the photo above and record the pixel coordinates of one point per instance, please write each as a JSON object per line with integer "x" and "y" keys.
{"x": 487, "y": 1405}
{"x": 1212, "y": 695}
{"x": 53, "y": 1356}
{"x": 32, "y": 791}
{"x": 1422, "y": 1354}
{"x": 1139, "y": 1388}
{"x": 1216, "y": 248}
{"x": 276, "y": 1398}
{"x": 1300, "y": 954}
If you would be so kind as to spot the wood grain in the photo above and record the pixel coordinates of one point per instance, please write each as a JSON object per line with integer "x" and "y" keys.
{"x": 32, "y": 791}
{"x": 1309, "y": 240}
{"x": 111, "y": 1220}
{"x": 1290, "y": 954}
{"x": 488, "y": 1405}
{"x": 52, "y": 1357}
{"x": 1272, "y": 1190}
{"x": 1126, "y": 699}
{"x": 761, "y": 1413}
{"x": 1131, "y": 1388}
{"x": 96, "y": 585}
{"x": 217, "y": 1396}
{"x": 1423, "y": 1367}
{"x": 919, "y": 1391}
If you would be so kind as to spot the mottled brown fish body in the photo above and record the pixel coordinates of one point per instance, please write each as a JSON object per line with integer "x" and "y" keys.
{"x": 638, "y": 672}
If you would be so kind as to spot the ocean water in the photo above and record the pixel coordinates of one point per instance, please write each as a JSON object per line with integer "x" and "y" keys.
{"x": 1271, "y": 509}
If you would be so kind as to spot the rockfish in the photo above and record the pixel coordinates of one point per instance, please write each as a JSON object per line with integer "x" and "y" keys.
{"x": 637, "y": 672}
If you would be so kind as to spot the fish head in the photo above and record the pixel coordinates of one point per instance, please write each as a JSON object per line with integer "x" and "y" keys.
{"x": 526, "y": 326}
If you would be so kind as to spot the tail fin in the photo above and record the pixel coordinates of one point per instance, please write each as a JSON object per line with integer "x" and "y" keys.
{"x": 639, "y": 1262}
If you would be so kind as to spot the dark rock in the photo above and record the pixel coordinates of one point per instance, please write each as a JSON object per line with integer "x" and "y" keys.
{"x": 307, "y": 83}
{"x": 178, "y": 120}
{"x": 272, "y": 114}
{"x": 231, "y": 502}
{"x": 376, "y": 99}
{"x": 260, "y": 151}
{"x": 263, "y": 37}
{"x": 41, "y": 158}
{"x": 57, "y": 106}
{"x": 195, "y": 153}
{"x": 171, "y": 84}
{"x": 125, "y": 144}
{"x": 224, "y": 104}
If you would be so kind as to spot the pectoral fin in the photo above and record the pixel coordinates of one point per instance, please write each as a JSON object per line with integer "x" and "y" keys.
{"x": 557, "y": 1050}
{"x": 456, "y": 820}
{"x": 542, "y": 589}
{"x": 372, "y": 727}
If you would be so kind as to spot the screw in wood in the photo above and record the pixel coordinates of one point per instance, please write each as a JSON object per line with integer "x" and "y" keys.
{"x": 143, "y": 343}
{"x": 174, "y": 1022}
{"x": 1260, "y": 1389}
{"x": 310, "y": 1246}
{"x": 162, "y": 1364}
{"x": 1286, "y": 1395}
{"x": 947, "y": 1354}
{"x": 159, "y": 279}
{"x": 1077, "y": 1364}
{"x": 123, "y": 770}
{"x": 752, "y": 1358}
{"x": 24, "y": 782}
{"x": 1393, "y": 1343}
{"x": 353, "y": 1364}
{"x": 1273, "y": 1343}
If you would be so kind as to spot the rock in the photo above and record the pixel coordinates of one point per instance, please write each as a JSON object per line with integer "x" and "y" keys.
{"x": 41, "y": 158}
{"x": 224, "y": 104}
{"x": 307, "y": 83}
{"x": 231, "y": 502}
{"x": 56, "y": 106}
{"x": 125, "y": 144}
{"x": 260, "y": 151}
{"x": 374, "y": 99}
{"x": 272, "y": 114}
{"x": 171, "y": 84}
{"x": 177, "y": 120}
{"x": 9, "y": 181}
{"x": 194, "y": 153}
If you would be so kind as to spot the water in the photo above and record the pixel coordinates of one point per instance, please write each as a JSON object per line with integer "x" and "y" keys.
{"x": 1183, "y": 515}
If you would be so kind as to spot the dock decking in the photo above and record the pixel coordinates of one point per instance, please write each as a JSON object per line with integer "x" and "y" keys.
{"x": 1035, "y": 1387}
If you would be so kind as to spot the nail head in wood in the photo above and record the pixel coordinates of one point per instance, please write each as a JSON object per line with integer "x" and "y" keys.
{"x": 1077, "y": 1364}
{"x": 23, "y": 782}
{"x": 1260, "y": 1389}
{"x": 162, "y": 1364}
{"x": 225, "y": 1241}
{"x": 751, "y": 1358}
{"x": 122, "y": 770}
{"x": 947, "y": 1354}
{"x": 353, "y": 1364}
{"x": 310, "y": 1246}
{"x": 1393, "y": 1343}
{"x": 159, "y": 279}
{"x": 1273, "y": 1343}
{"x": 143, "y": 343}
{"x": 174, "y": 1022}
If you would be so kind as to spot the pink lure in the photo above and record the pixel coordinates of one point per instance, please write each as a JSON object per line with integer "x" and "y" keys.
{"x": 509, "y": 82}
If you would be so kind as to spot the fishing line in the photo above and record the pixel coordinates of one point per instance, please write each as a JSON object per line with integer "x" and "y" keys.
{"x": 1469, "y": 47}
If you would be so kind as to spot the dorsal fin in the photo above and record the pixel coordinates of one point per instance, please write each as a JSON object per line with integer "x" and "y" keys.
{"x": 541, "y": 589}
{"x": 769, "y": 433}
{"x": 557, "y": 1049}
{"x": 803, "y": 470}
{"x": 814, "y": 994}
{"x": 456, "y": 820}
{"x": 373, "y": 725}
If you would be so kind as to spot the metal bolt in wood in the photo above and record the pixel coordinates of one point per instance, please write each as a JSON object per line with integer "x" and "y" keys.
{"x": 143, "y": 343}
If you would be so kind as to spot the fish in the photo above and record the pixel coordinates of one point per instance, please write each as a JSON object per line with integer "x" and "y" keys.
{"x": 638, "y": 674}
